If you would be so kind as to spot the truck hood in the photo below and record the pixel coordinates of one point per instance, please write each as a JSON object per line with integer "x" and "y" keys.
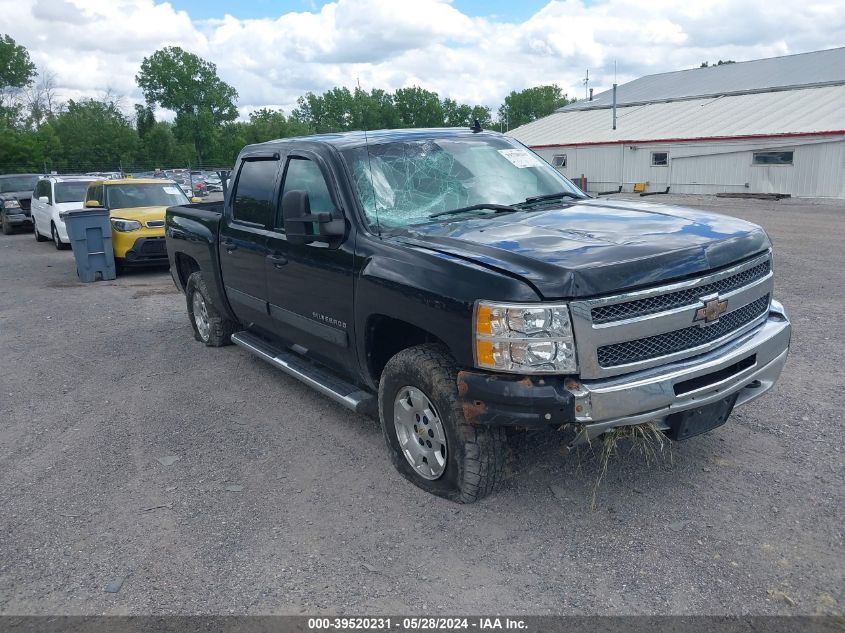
{"x": 15, "y": 195}
{"x": 597, "y": 246}
{"x": 141, "y": 214}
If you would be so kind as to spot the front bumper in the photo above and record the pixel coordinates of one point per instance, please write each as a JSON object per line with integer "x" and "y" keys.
{"x": 17, "y": 219}
{"x": 145, "y": 251}
{"x": 746, "y": 367}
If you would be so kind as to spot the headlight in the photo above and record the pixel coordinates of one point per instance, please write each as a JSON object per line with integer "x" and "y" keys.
{"x": 125, "y": 226}
{"x": 11, "y": 204}
{"x": 526, "y": 338}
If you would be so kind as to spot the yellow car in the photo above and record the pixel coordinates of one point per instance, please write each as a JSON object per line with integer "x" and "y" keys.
{"x": 136, "y": 209}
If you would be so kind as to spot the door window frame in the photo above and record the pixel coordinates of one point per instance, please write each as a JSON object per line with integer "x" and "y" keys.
{"x": 229, "y": 210}
{"x": 278, "y": 228}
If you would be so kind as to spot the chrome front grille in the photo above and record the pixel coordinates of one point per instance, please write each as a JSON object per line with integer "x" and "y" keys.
{"x": 688, "y": 296}
{"x": 645, "y": 328}
{"x": 680, "y": 340}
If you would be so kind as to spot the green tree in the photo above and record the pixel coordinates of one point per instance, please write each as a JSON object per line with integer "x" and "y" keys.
{"x": 158, "y": 148}
{"x": 265, "y": 125}
{"x": 93, "y": 135}
{"x": 417, "y": 107}
{"x": 16, "y": 72}
{"x": 379, "y": 110}
{"x": 144, "y": 119}
{"x": 332, "y": 111}
{"x": 188, "y": 85}
{"x": 462, "y": 115}
{"x": 531, "y": 104}
{"x": 19, "y": 151}
{"x": 230, "y": 141}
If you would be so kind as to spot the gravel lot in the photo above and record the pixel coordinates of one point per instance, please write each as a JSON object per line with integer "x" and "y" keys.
{"x": 208, "y": 482}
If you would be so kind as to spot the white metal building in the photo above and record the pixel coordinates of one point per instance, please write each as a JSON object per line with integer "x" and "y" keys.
{"x": 765, "y": 126}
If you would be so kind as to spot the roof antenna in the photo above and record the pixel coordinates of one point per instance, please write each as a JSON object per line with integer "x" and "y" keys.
{"x": 476, "y": 127}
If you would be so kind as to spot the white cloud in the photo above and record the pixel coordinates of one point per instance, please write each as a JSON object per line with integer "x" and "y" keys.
{"x": 97, "y": 45}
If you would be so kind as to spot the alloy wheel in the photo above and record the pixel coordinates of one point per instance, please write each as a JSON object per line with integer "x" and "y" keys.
{"x": 420, "y": 432}
{"x": 201, "y": 316}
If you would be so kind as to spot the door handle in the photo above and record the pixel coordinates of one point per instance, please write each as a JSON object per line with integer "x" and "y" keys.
{"x": 277, "y": 260}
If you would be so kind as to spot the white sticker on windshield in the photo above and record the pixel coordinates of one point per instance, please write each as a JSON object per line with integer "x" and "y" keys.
{"x": 521, "y": 158}
{"x": 173, "y": 191}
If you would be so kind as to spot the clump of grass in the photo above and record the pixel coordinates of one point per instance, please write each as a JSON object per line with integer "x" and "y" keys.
{"x": 645, "y": 438}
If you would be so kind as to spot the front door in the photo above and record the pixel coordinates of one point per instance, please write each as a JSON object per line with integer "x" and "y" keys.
{"x": 310, "y": 286}
{"x": 249, "y": 214}
{"x": 41, "y": 210}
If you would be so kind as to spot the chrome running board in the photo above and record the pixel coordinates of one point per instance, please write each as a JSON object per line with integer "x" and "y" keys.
{"x": 337, "y": 389}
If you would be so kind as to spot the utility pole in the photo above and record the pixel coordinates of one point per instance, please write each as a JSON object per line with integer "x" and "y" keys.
{"x": 587, "y": 84}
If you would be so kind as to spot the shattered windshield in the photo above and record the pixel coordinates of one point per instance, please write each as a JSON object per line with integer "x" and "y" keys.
{"x": 405, "y": 183}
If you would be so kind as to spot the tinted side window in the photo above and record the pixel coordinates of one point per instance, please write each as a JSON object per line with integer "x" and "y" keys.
{"x": 305, "y": 175}
{"x": 254, "y": 192}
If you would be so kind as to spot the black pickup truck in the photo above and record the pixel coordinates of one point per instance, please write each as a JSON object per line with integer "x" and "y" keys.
{"x": 453, "y": 283}
{"x": 15, "y": 200}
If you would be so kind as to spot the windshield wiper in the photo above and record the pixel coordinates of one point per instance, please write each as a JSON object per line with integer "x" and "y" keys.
{"x": 496, "y": 208}
{"x": 549, "y": 196}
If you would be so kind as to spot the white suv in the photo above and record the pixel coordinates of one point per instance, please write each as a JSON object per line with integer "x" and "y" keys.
{"x": 54, "y": 194}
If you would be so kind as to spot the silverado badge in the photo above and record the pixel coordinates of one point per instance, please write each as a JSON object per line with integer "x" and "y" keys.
{"x": 712, "y": 310}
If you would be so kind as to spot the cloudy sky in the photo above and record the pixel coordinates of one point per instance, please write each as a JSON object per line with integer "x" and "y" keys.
{"x": 471, "y": 50}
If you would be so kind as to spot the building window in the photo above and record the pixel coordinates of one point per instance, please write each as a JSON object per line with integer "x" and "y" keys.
{"x": 559, "y": 160}
{"x": 659, "y": 159}
{"x": 773, "y": 158}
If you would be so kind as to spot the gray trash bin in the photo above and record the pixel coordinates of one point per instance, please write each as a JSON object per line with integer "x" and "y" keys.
{"x": 89, "y": 231}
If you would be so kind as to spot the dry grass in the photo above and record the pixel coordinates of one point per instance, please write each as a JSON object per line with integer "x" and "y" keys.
{"x": 645, "y": 438}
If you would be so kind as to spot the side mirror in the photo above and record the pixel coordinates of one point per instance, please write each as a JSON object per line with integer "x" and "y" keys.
{"x": 44, "y": 199}
{"x": 195, "y": 199}
{"x": 304, "y": 227}
{"x": 92, "y": 204}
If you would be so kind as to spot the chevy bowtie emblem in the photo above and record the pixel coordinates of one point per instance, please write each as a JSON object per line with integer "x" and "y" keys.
{"x": 711, "y": 311}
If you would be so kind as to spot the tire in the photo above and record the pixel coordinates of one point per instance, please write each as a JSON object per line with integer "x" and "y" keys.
{"x": 38, "y": 236}
{"x": 213, "y": 328}
{"x": 474, "y": 455}
{"x": 57, "y": 241}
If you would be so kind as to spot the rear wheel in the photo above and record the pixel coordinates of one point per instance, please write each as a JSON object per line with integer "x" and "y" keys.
{"x": 430, "y": 442}
{"x": 210, "y": 326}
{"x": 38, "y": 236}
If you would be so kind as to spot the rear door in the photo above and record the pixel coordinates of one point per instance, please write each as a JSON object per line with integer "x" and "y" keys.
{"x": 248, "y": 215}
{"x": 310, "y": 286}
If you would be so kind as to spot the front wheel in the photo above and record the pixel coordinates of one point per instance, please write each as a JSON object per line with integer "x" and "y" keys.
{"x": 57, "y": 241}
{"x": 38, "y": 236}
{"x": 209, "y": 325}
{"x": 427, "y": 435}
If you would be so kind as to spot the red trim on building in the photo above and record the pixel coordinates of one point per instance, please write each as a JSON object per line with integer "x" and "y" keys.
{"x": 694, "y": 140}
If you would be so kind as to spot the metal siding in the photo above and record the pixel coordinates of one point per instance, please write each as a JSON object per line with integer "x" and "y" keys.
{"x": 818, "y": 168}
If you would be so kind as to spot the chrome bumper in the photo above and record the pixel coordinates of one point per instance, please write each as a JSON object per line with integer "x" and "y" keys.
{"x": 748, "y": 366}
